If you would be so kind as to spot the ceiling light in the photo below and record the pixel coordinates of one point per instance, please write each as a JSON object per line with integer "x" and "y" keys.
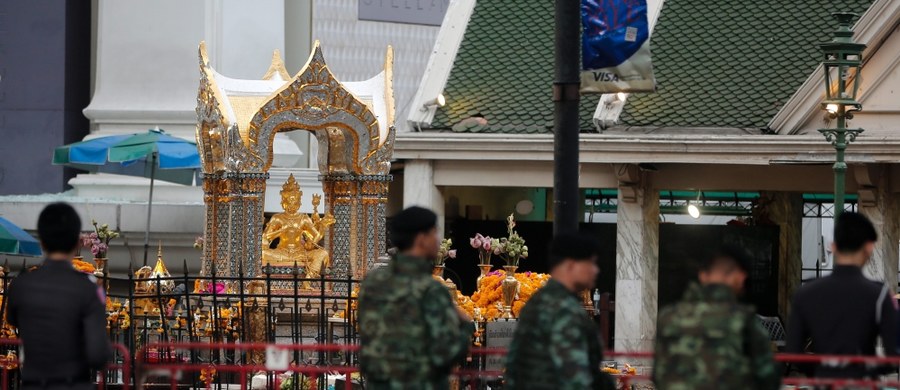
{"x": 693, "y": 211}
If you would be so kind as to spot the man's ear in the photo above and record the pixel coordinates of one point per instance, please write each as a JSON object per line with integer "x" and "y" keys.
{"x": 870, "y": 248}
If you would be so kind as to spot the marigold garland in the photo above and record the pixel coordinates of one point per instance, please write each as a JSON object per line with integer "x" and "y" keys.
{"x": 489, "y": 297}
{"x": 207, "y": 374}
{"x": 83, "y": 266}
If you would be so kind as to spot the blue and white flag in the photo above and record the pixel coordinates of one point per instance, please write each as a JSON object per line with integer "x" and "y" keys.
{"x": 615, "y": 47}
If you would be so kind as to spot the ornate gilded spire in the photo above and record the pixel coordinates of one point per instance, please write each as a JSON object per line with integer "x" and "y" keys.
{"x": 291, "y": 186}
{"x": 160, "y": 268}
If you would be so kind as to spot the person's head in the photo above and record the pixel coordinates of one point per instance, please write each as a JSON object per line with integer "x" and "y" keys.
{"x": 59, "y": 228}
{"x": 573, "y": 260}
{"x": 414, "y": 233}
{"x": 290, "y": 195}
{"x": 729, "y": 265}
{"x": 854, "y": 239}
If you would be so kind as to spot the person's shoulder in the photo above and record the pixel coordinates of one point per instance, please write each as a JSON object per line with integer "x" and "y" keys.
{"x": 811, "y": 288}
{"x": 677, "y": 311}
{"x": 667, "y": 312}
{"x": 82, "y": 279}
{"x": 431, "y": 286}
{"x": 376, "y": 278}
{"x": 542, "y": 301}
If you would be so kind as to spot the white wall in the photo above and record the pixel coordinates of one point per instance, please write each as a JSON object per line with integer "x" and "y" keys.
{"x": 355, "y": 49}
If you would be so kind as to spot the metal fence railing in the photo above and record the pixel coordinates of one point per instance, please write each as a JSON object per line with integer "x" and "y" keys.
{"x": 282, "y": 308}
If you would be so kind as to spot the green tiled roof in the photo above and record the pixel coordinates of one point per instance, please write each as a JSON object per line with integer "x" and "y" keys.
{"x": 719, "y": 63}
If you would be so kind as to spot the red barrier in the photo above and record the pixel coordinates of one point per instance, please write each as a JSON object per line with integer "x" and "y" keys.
{"x": 472, "y": 375}
{"x": 244, "y": 370}
{"x": 7, "y": 366}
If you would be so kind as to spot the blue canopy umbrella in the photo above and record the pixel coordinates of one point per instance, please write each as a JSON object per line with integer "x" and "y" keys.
{"x": 153, "y": 154}
{"x": 15, "y": 241}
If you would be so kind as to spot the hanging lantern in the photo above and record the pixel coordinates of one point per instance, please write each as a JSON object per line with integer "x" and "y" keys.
{"x": 843, "y": 60}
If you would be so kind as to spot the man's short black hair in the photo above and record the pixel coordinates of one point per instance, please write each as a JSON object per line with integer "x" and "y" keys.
{"x": 727, "y": 257}
{"x": 409, "y": 223}
{"x": 59, "y": 228}
{"x": 852, "y": 231}
{"x": 573, "y": 246}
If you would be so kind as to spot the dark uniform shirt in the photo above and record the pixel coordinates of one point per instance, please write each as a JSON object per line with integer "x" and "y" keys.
{"x": 710, "y": 341}
{"x": 411, "y": 334}
{"x": 61, "y": 319}
{"x": 556, "y": 345}
{"x": 842, "y": 314}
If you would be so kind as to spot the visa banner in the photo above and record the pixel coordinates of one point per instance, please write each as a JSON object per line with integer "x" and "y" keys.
{"x": 615, "y": 47}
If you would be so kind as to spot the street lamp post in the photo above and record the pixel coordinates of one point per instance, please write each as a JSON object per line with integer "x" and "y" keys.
{"x": 565, "y": 116}
{"x": 842, "y": 62}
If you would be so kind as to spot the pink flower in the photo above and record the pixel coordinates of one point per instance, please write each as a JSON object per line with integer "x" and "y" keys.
{"x": 94, "y": 236}
{"x": 103, "y": 247}
{"x": 452, "y": 253}
{"x": 487, "y": 244}
{"x": 85, "y": 240}
{"x": 95, "y": 250}
{"x": 475, "y": 242}
{"x": 220, "y": 289}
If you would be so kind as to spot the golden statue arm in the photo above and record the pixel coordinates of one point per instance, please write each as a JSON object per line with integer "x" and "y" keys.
{"x": 273, "y": 230}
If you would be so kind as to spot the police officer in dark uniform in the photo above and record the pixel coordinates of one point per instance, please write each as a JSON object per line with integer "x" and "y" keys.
{"x": 845, "y": 313}
{"x": 59, "y": 312}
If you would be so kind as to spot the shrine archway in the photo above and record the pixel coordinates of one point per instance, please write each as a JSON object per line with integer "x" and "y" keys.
{"x": 235, "y": 134}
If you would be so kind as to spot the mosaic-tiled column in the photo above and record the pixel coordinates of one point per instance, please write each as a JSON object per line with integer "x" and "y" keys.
{"x": 252, "y": 193}
{"x": 374, "y": 205}
{"x": 218, "y": 224}
{"x": 342, "y": 201}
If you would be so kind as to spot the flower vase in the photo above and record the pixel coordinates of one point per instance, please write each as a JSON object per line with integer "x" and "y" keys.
{"x": 485, "y": 268}
{"x": 101, "y": 265}
{"x": 509, "y": 288}
{"x": 438, "y": 272}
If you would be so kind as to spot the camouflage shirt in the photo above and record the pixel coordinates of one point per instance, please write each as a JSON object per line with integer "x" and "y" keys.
{"x": 411, "y": 334}
{"x": 556, "y": 345}
{"x": 710, "y": 341}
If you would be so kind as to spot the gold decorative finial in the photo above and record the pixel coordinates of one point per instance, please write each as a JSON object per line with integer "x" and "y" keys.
{"x": 291, "y": 186}
{"x": 159, "y": 252}
{"x": 277, "y": 68}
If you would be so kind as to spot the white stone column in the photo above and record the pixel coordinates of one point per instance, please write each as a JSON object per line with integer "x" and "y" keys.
{"x": 637, "y": 267}
{"x": 419, "y": 189}
{"x": 882, "y": 207}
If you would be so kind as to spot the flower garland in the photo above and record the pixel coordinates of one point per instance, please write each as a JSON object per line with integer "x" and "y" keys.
{"x": 7, "y": 331}
{"x": 489, "y": 297}
{"x": 207, "y": 374}
{"x": 83, "y": 266}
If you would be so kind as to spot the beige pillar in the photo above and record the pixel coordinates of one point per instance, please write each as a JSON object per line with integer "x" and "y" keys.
{"x": 637, "y": 264}
{"x": 786, "y": 210}
{"x": 419, "y": 189}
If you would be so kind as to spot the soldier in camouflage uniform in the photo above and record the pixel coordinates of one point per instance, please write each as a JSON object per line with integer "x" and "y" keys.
{"x": 556, "y": 344}
{"x": 709, "y": 340}
{"x": 411, "y": 332}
